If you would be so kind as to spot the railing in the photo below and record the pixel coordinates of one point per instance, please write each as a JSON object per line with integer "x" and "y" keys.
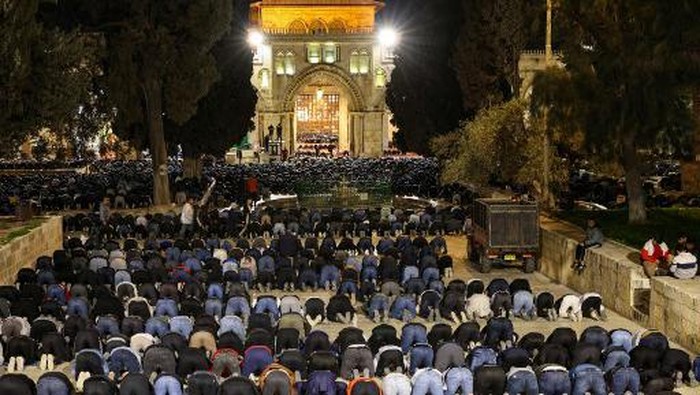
{"x": 330, "y": 32}
{"x": 321, "y": 2}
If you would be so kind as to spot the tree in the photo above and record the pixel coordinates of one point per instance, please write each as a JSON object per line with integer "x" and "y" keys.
{"x": 45, "y": 74}
{"x": 158, "y": 64}
{"x": 630, "y": 65}
{"x": 225, "y": 114}
{"x": 488, "y": 48}
{"x": 498, "y": 147}
{"x": 423, "y": 93}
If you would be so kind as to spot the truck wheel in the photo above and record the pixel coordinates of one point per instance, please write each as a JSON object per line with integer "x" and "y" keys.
{"x": 485, "y": 264}
{"x": 529, "y": 265}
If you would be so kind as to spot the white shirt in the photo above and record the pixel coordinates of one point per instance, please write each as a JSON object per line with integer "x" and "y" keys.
{"x": 569, "y": 302}
{"x": 479, "y": 304}
{"x": 187, "y": 216}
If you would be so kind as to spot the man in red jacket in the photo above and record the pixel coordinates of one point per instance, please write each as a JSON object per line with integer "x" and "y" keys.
{"x": 655, "y": 257}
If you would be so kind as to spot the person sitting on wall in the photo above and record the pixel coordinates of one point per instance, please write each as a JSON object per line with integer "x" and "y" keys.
{"x": 655, "y": 257}
{"x": 594, "y": 239}
{"x": 685, "y": 264}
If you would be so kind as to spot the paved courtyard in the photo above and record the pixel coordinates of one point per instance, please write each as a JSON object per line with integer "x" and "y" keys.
{"x": 465, "y": 271}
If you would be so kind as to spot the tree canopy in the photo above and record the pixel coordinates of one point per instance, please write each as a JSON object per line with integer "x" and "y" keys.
{"x": 159, "y": 63}
{"x": 488, "y": 48}
{"x": 225, "y": 114}
{"x": 630, "y": 65}
{"x": 45, "y": 74}
{"x": 423, "y": 94}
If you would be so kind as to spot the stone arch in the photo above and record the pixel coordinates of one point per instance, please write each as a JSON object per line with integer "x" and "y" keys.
{"x": 297, "y": 26}
{"x": 318, "y": 27}
{"x": 331, "y": 73}
{"x": 337, "y": 25}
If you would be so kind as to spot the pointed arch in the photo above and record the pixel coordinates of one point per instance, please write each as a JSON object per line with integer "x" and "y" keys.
{"x": 318, "y": 27}
{"x": 337, "y": 25}
{"x": 298, "y": 26}
{"x": 330, "y": 72}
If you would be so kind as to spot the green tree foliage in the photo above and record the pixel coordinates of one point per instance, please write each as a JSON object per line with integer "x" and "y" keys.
{"x": 225, "y": 114}
{"x": 630, "y": 65}
{"x": 159, "y": 64}
{"x": 423, "y": 94}
{"x": 45, "y": 74}
{"x": 497, "y": 147}
{"x": 488, "y": 48}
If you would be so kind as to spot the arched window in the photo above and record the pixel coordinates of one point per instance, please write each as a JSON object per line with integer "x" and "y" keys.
{"x": 313, "y": 53}
{"x": 318, "y": 27}
{"x": 364, "y": 61}
{"x": 297, "y": 27}
{"x": 290, "y": 67}
{"x": 355, "y": 62}
{"x": 330, "y": 53}
{"x": 279, "y": 63}
{"x": 379, "y": 78}
{"x": 359, "y": 61}
{"x": 264, "y": 79}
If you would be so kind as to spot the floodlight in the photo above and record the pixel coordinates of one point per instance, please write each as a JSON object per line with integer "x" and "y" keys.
{"x": 255, "y": 38}
{"x": 388, "y": 37}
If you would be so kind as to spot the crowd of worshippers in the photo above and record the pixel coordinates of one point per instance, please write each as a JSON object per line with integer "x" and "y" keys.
{"x": 177, "y": 317}
{"x": 267, "y": 221}
{"x": 128, "y": 184}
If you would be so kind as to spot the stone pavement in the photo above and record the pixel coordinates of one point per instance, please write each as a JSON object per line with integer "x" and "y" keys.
{"x": 463, "y": 270}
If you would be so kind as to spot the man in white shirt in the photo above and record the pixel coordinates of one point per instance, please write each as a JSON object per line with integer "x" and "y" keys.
{"x": 187, "y": 218}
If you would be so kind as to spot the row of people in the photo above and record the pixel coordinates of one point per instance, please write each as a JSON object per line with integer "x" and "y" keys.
{"x": 131, "y": 181}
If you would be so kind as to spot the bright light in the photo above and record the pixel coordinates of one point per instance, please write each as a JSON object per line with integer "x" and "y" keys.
{"x": 255, "y": 38}
{"x": 319, "y": 94}
{"x": 388, "y": 37}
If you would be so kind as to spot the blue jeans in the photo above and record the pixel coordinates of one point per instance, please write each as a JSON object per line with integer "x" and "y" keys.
{"x": 401, "y": 304}
{"x": 522, "y": 382}
{"x": 412, "y": 334}
{"x": 167, "y": 385}
{"x": 50, "y": 385}
{"x": 523, "y": 303}
{"x": 625, "y": 379}
{"x": 348, "y": 287}
{"x": 107, "y": 326}
{"x": 409, "y": 272}
{"x": 616, "y": 358}
{"x": 256, "y": 360}
{"x": 213, "y": 307}
{"x": 555, "y": 382}
{"x": 428, "y": 381}
{"x": 422, "y": 356}
{"x": 238, "y": 305}
{"x": 379, "y": 302}
{"x": 123, "y": 359}
{"x": 182, "y": 325}
{"x": 457, "y": 379}
{"x": 269, "y": 306}
{"x": 430, "y": 274}
{"x": 78, "y": 306}
{"x": 232, "y": 324}
{"x": 157, "y": 327}
{"x": 588, "y": 378}
{"x": 329, "y": 274}
{"x": 621, "y": 338}
{"x": 498, "y": 330}
{"x": 166, "y": 307}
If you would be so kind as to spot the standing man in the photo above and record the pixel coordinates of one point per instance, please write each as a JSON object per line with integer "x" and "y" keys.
{"x": 187, "y": 217}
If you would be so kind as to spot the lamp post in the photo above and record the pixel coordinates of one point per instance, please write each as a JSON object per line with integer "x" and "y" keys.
{"x": 546, "y": 195}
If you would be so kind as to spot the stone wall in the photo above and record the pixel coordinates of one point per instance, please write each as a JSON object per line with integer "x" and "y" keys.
{"x": 610, "y": 270}
{"x": 675, "y": 310}
{"x": 23, "y": 251}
